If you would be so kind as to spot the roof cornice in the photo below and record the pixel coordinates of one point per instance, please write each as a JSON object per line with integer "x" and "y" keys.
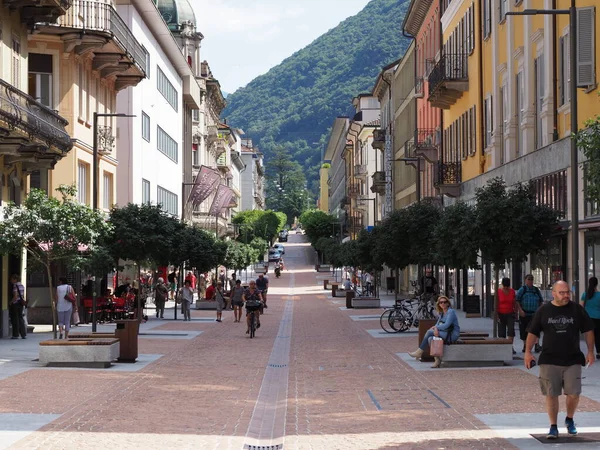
{"x": 415, "y": 16}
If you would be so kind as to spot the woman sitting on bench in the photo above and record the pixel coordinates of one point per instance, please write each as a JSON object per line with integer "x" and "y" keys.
{"x": 446, "y": 327}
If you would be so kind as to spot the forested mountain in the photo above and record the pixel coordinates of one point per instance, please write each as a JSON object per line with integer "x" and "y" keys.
{"x": 295, "y": 103}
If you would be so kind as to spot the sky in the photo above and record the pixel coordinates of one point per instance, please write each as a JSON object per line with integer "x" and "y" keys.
{"x": 245, "y": 38}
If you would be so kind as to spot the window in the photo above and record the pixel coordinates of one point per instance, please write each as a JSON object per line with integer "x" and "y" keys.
{"x": 145, "y": 126}
{"x": 147, "y": 65}
{"x": 502, "y": 9}
{"x": 167, "y": 90}
{"x": 519, "y": 105}
{"x": 82, "y": 99}
{"x": 586, "y": 64}
{"x": 39, "y": 73}
{"x": 539, "y": 99}
{"x": 107, "y": 190}
{"x": 564, "y": 72}
{"x": 504, "y": 125}
{"x": 196, "y": 115}
{"x": 83, "y": 170}
{"x": 16, "y": 62}
{"x": 167, "y": 200}
{"x": 166, "y": 144}
{"x": 486, "y": 18}
{"x": 195, "y": 155}
{"x": 489, "y": 120}
{"x": 145, "y": 192}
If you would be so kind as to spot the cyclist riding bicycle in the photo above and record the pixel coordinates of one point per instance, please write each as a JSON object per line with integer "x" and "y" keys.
{"x": 262, "y": 283}
{"x": 253, "y": 300}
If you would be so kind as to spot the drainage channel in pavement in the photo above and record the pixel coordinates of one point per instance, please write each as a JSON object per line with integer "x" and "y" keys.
{"x": 267, "y": 425}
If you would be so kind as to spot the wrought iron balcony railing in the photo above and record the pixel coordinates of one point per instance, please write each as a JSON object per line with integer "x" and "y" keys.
{"x": 23, "y": 112}
{"x": 88, "y": 15}
{"x": 449, "y": 173}
{"x": 450, "y": 67}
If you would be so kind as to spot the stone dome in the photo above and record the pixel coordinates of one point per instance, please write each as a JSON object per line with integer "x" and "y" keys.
{"x": 176, "y": 12}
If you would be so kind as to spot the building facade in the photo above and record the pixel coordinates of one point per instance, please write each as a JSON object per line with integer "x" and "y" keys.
{"x": 252, "y": 177}
{"x": 35, "y": 137}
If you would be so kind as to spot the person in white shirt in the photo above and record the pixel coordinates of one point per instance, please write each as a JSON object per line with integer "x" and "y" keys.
{"x": 64, "y": 307}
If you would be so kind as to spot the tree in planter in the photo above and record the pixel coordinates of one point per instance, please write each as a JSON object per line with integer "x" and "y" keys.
{"x": 317, "y": 224}
{"x": 51, "y": 230}
{"x": 143, "y": 233}
{"x": 510, "y": 226}
{"x": 454, "y": 243}
{"x": 420, "y": 222}
{"x": 391, "y": 241}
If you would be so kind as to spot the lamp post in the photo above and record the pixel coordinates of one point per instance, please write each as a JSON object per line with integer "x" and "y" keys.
{"x": 95, "y": 187}
{"x": 572, "y": 13}
{"x": 418, "y": 181}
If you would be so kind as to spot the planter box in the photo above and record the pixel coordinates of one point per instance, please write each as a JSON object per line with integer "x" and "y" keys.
{"x": 365, "y": 302}
{"x": 324, "y": 268}
{"x": 89, "y": 353}
{"x": 206, "y": 304}
{"x": 477, "y": 352}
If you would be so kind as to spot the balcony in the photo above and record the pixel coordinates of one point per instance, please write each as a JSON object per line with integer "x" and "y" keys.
{"x": 378, "y": 139}
{"x": 360, "y": 170}
{"x": 353, "y": 190}
{"x": 222, "y": 162}
{"x": 203, "y": 220}
{"x": 448, "y": 79}
{"x": 379, "y": 183}
{"x": 447, "y": 178}
{"x": 33, "y": 11}
{"x": 30, "y": 132}
{"x": 362, "y": 202}
{"x": 92, "y": 26}
{"x": 411, "y": 155}
{"x": 427, "y": 144}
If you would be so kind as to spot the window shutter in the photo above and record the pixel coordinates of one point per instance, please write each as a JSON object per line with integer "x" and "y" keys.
{"x": 561, "y": 71}
{"x": 586, "y": 75}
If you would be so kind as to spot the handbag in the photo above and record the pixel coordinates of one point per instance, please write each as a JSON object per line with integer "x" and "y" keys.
{"x": 70, "y": 295}
{"x": 76, "y": 320}
{"x": 436, "y": 347}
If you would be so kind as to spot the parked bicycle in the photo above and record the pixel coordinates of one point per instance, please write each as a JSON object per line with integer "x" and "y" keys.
{"x": 406, "y": 313}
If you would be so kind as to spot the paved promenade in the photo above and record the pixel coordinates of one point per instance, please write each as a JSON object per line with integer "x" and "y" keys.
{"x": 317, "y": 376}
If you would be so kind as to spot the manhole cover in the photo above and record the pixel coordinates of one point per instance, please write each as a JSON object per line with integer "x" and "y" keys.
{"x": 581, "y": 438}
{"x": 263, "y": 447}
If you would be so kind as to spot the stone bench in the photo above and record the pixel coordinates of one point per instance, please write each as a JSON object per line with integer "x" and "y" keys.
{"x": 79, "y": 352}
{"x": 324, "y": 268}
{"x": 365, "y": 302}
{"x": 477, "y": 352}
{"x": 206, "y": 304}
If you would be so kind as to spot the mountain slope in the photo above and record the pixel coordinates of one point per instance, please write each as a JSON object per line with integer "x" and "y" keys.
{"x": 295, "y": 103}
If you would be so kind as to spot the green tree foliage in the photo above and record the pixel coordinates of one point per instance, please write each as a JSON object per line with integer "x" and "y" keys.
{"x": 420, "y": 225}
{"x": 259, "y": 224}
{"x": 454, "y": 233}
{"x": 588, "y": 140}
{"x": 392, "y": 245}
{"x": 52, "y": 230}
{"x": 294, "y": 104}
{"x": 510, "y": 225}
{"x": 317, "y": 224}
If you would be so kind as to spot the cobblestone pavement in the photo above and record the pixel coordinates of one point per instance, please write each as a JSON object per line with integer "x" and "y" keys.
{"x": 313, "y": 378}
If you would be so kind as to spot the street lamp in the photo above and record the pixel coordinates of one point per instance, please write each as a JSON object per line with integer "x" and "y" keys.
{"x": 418, "y": 182}
{"x": 572, "y": 13}
{"x": 95, "y": 187}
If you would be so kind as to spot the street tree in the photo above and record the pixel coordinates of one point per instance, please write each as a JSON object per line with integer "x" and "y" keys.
{"x": 510, "y": 226}
{"x": 51, "y": 230}
{"x": 420, "y": 222}
{"x": 588, "y": 140}
{"x": 454, "y": 243}
{"x": 317, "y": 224}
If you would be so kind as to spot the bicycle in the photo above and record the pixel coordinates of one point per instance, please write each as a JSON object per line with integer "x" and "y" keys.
{"x": 405, "y": 314}
{"x": 253, "y": 308}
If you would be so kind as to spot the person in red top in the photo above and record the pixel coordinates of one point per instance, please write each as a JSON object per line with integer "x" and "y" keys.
{"x": 210, "y": 291}
{"x": 191, "y": 278}
{"x": 506, "y": 311}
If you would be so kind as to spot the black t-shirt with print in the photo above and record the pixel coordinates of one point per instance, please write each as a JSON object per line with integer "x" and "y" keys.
{"x": 562, "y": 326}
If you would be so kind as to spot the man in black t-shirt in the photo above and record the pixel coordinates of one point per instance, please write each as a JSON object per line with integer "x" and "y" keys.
{"x": 561, "y": 321}
{"x": 262, "y": 284}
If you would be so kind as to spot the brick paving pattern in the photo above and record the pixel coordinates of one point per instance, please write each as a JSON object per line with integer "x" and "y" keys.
{"x": 340, "y": 387}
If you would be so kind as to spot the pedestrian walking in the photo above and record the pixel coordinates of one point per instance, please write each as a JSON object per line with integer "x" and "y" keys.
{"x": 65, "y": 304}
{"x": 237, "y": 300}
{"x": 17, "y": 306}
{"x": 590, "y": 300}
{"x": 529, "y": 299}
{"x": 220, "y": 299}
{"x": 172, "y": 279}
{"x": 507, "y": 306}
{"x": 190, "y": 276}
{"x": 187, "y": 298}
{"x": 561, "y": 321}
{"x": 160, "y": 297}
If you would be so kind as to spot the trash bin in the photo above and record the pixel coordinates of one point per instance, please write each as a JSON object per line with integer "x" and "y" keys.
{"x": 127, "y": 333}
{"x": 349, "y": 297}
{"x": 325, "y": 283}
